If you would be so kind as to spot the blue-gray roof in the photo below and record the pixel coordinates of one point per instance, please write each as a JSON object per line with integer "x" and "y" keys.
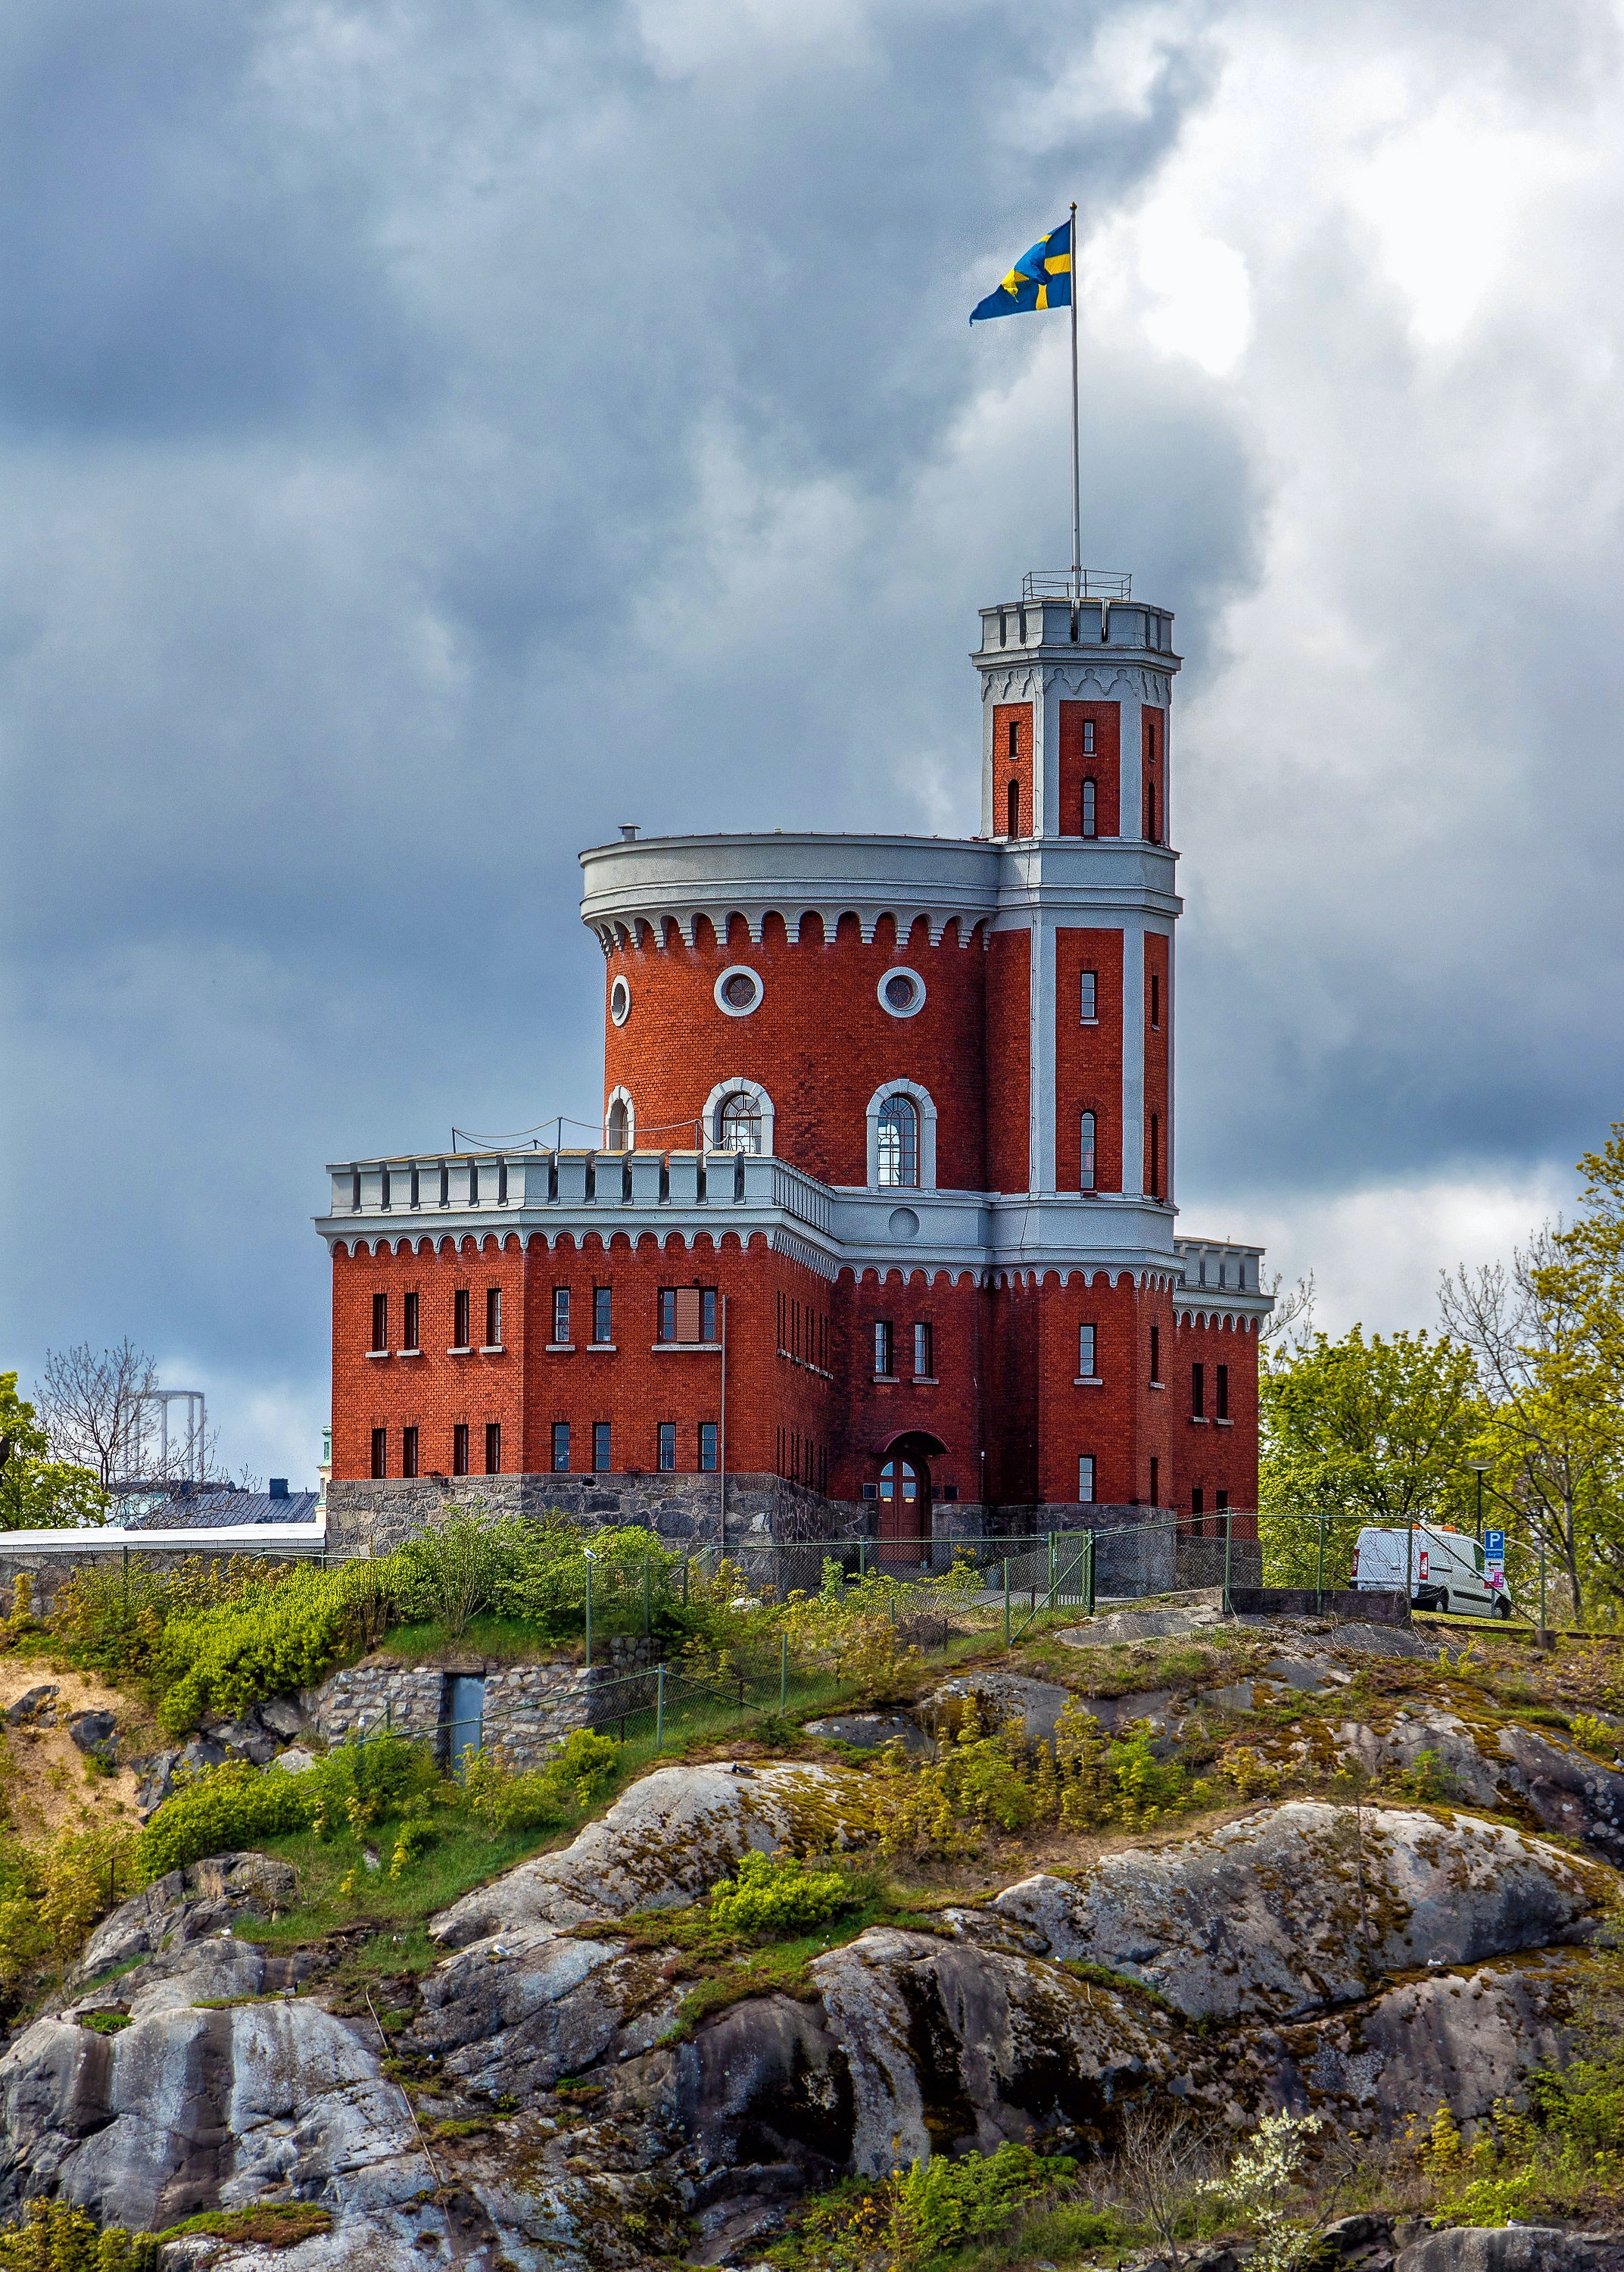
{"x": 219, "y": 1510}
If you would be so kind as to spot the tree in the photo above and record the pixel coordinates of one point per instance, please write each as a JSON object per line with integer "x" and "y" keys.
{"x": 1361, "y": 1431}
{"x": 1548, "y": 1339}
{"x": 36, "y": 1491}
{"x": 91, "y": 1403}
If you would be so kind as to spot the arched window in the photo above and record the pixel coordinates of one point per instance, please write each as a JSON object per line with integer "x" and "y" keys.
{"x": 617, "y": 1126}
{"x": 1015, "y": 805}
{"x": 1086, "y": 1161}
{"x": 1089, "y": 826}
{"x": 738, "y": 1123}
{"x": 899, "y": 1145}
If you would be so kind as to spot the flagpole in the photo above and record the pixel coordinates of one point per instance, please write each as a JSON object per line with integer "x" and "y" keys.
{"x": 1077, "y": 485}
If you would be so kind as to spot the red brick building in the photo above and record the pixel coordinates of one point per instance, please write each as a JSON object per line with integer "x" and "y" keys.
{"x": 882, "y": 1230}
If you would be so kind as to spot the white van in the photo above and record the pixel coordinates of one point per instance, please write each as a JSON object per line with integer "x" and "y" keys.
{"x": 1445, "y": 1566}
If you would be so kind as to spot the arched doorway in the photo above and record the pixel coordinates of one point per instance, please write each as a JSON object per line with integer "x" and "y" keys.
{"x": 904, "y": 1491}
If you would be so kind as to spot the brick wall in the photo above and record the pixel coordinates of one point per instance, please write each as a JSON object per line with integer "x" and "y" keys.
{"x": 820, "y": 1044}
{"x": 1088, "y": 1059}
{"x": 1009, "y": 1062}
{"x": 1103, "y": 766}
{"x": 1157, "y": 1058}
{"x": 1008, "y": 769}
{"x": 1211, "y": 1457}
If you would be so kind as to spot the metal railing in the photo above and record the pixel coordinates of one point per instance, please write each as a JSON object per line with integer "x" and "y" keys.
{"x": 1076, "y": 584}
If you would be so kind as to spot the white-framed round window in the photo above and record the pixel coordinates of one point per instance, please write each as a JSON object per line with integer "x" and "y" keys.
{"x": 620, "y": 1001}
{"x": 739, "y": 992}
{"x": 902, "y": 992}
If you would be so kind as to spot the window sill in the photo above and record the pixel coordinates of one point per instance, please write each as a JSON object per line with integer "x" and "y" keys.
{"x": 603, "y": 1349}
{"x": 1089, "y": 1381}
{"x": 1223, "y": 1423}
{"x": 373, "y": 1356}
{"x": 1199, "y": 1420}
{"x": 560, "y": 1349}
{"x": 893, "y": 1379}
{"x": 926, "y": 1379}
{"x": 462, "y": 1350}
{"x": 1088, "y": 1021}
{"x": 405, "y": 1353}
{"x": 493, "y": 1349}
{"x": 1156, "y": 1384}
{"x": 667, "y": 1347}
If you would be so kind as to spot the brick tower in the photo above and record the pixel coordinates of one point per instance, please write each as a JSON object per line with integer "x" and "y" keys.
{"x": 881, "y": 1232}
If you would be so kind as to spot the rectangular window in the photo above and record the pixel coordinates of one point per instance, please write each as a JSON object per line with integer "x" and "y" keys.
{"x": 1198, "y": 1392}
{"x": 1086, "y": 1479}
{"x": 408, "y": 1327}
{"x": 1015, "y": 739}
{"x": 380, "y": 1453}
{"x": 408, "y": 1450}
{"x": 459, "y": 1448}
{"x": 603, "y": 1313}
{"x": 1156, "y": 1481}
{"x": 416, "y": 1187}
{"x": 460, "y": 1318}
{"x": 1150, "y": 813}
{"x": 601, "y": 1461}
{"x": 492, "y": 1317}
{"x": 1156, "y": 1158}
{"x": 1088, "y": 1006}
{"x": 1223, "y": 1502}
{"x": 1086, "y": 1153}
{"x": 1156, "y": 1355}
{"x": 667, "y": 1447}
{"x": 667, "y": 1314}
{"x": 561, "y": 1447}
{"x": 383, "y": 1188}
{"x": 1222, "y": 1385}
{"x": 1156, "y": 1003}
{"x": 493, "y": 1447}
{"x": 1088, "y": 737}
{"x": 707, "y": 1446}
{"x": 380, "y": 1322}
{"x": 707, "y": 1313}
{"x": 561, "y": 1314}
{"x": 688, "y": 1313}
{"x": 1090, "y": 823}
{"x": 1196, "y": 1503}
{"x": 1087, "y": 1350}
{"x": 924, "y": 1352}
{"x": 883, "y": 1346}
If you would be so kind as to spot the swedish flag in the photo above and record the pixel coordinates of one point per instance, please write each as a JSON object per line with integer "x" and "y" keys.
{"x": 1040, "y": 278}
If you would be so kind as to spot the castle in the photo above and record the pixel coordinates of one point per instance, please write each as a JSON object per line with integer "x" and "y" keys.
{"x": 880, "y": 1237}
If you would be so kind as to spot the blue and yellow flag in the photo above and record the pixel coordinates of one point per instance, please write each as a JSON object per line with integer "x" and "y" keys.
{"x": 1040, "y": 278}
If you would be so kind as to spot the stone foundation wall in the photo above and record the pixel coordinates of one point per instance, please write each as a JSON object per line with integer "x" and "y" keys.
{"x": 529, "y": 1709}
{"x": 685, "y": 1510}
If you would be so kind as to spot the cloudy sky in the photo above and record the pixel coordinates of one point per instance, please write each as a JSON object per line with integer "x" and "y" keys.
{"x": 432, "y": 434}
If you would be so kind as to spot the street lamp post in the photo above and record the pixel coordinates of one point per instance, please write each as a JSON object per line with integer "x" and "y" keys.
{"x": 589, "y": 1558}
{"x": 1480, "y": 1468}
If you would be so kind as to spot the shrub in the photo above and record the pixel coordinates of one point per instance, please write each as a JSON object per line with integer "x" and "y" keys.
{"x": 1593, "y": 1735}
{"x": 112, "y": 1619}
{"x": 543, "y": 1579}
{"x": 923, "y": 2212}
{"x": 379, "y": 1779}
{"x": 449, "y": 1572}
{"x": 542, "y": 1797}
{"x": 223, "y": 1659}
{"x": 227, "y": 1808}
{"x": 778, "y": 1894}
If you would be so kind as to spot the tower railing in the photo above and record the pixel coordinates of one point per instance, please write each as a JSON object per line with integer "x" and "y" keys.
{"x": 1076, "y": 584}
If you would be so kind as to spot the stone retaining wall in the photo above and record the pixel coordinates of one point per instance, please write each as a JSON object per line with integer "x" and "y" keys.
{"x": 365, "y": 1516}
{"x": 529, "y": 1709}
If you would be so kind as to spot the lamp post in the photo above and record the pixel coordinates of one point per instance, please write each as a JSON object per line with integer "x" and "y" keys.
{"x": 1480, "y": 1468}
{"x": 589, "y": 1558}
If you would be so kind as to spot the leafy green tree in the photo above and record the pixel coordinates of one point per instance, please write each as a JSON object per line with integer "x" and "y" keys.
{"x": 1361, "y": 1431}
{"x": 36, "y": 1491}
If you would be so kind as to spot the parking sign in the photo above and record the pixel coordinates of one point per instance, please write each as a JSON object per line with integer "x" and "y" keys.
{"x": 1494, "y": 1545}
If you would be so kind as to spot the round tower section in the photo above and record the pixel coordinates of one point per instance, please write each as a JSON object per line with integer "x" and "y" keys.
{"x": 822, "y": 999}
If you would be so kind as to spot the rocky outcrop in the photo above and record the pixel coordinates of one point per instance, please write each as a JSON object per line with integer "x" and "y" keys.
{"x": 1306, "y": 1904}
{"x": 199, "y": 1903}
{"x": 663, "y": 1843}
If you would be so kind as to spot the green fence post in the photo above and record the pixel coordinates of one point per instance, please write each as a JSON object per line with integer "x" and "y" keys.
{"x": 1006, "y": 1601}
{"x": 1088, "y": 1581}
{"x": 685, "y": 1581}
{"x": 648, "y": 1564}
{"x": 783, "y": 1673}
{"x": 1319, "y": 1584}
{"x": 660, "y": 1706}
{"x": 1229, "y": 1528}
{"x": 588, "y": 1559}
{"x": 863, "y": 1559}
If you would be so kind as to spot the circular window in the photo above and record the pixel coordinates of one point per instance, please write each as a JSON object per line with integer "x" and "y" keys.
{"x": 620, "y": 1001}
{"x": 737, "y": 991}
{"x": 902, "y": 993}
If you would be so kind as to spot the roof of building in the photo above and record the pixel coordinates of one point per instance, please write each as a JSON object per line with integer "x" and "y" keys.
{"x": 228, "y": 1509}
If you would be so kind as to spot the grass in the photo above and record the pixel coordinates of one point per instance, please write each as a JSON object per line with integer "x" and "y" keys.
{"x": 268, "y": 2225}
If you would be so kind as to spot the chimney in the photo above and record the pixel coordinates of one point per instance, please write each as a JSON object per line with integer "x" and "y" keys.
{"x": 629, "y": 831}
{"x": 278, "y": 1487}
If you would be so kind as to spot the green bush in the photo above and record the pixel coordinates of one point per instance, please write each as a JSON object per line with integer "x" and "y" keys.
{"x": 585, "y": 1766}
{"x": 380, "y": 1779}
{"x": 778, "y": 1894}
{"x": 225, "y": 1810}
{"x": 922, "y": 2213}
{"x": 225, "y": 1659}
